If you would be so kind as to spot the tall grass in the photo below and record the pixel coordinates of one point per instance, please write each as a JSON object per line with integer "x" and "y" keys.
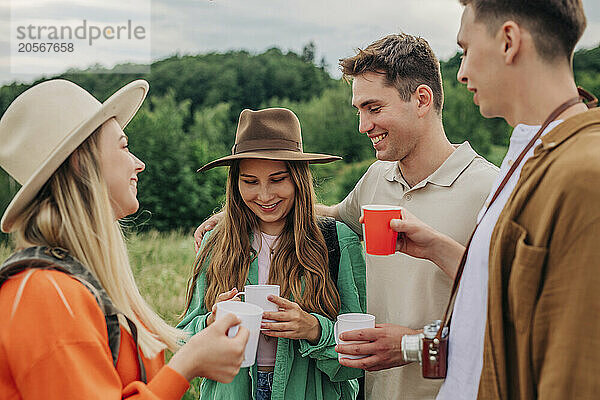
{"x": 6, "y": 248}
{"x": 161, "y": 263}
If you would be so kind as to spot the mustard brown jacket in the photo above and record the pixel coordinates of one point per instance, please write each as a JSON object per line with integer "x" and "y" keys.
{"x": 542, "y": 335}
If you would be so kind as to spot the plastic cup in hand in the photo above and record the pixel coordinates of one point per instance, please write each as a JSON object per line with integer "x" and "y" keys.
{"x": 351, "y": 322}
{"x": 250, "y": 315}
{"x": 380, "y": 239}
{"x": 257, "y": 294}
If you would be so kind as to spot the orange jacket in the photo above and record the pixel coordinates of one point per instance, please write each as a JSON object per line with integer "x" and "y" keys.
{"x": 54, "y": 345}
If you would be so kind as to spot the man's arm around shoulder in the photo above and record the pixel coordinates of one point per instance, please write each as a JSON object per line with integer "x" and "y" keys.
{"x": 328, "y": 211}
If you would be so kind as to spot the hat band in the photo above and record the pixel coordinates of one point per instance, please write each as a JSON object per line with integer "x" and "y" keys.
{"x": 266, "y": 144}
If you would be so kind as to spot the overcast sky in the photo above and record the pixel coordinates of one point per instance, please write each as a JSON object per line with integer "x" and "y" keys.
{"x": 337, "y": 27}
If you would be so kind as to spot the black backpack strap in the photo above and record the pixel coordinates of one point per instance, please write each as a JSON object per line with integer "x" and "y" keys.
{"x": 58, "y": 259}
{"x": 329, "y": 230}
{"x": 134, "y": 334}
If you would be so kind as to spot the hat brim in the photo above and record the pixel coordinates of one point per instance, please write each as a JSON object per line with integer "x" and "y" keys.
{"x": 122, "y": 105}
{"x": 277, "y": 155}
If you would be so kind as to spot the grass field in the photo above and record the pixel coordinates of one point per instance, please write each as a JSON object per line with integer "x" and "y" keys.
{"x": 161, "y": 263}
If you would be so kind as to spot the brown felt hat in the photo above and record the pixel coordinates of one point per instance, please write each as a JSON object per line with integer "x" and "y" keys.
{"x": 271, "y": 134}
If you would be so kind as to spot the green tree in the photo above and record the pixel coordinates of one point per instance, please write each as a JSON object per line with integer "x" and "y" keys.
{"x": 167, "y": 186}
{"x": 8, "y": 188}
{"x": 213, "y": 136}
{"x": 329, "y": 124}
{"x": 308, "y": 52}
{"x": 194, "y": 102}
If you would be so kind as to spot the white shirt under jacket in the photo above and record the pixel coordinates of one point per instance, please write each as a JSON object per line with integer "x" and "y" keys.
{"x": 465, "y": 350}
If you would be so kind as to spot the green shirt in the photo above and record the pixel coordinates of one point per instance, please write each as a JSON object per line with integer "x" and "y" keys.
{"x": 302, "y": 370}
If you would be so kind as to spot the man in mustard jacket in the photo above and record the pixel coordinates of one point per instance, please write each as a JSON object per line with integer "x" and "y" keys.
{"x": 525, "y": 324}
{"x": 541, "y": 337}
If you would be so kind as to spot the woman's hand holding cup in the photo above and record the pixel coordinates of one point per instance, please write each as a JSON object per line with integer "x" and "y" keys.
{"x": 211, "y": 353}
{"x": 291, "y": 321}
{"x": 230, "y": 295}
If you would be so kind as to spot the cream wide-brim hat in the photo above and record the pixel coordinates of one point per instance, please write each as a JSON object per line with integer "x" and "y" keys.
{"x": 46, "y": 123}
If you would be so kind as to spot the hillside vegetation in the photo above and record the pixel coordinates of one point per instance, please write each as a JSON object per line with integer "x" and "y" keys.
{"x": 190, "y": 118}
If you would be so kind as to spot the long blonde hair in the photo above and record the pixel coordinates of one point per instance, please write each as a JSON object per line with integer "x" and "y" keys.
{"x": 299, "y": 264}
{"x": 73, "y": 211}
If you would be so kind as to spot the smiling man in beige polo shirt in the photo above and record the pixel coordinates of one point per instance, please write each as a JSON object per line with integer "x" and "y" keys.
{"x": 397, "y": 90}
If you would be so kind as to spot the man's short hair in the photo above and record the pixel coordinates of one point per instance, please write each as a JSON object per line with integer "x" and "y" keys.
{"x": 556, "y": 25}
{"x": 407, "y": 62}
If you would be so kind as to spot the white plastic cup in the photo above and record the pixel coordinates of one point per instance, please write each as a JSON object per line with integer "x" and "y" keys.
{"x": 250, "y": 315}
{"x": 351, "y": 322}
{"x": 257, "y": 294}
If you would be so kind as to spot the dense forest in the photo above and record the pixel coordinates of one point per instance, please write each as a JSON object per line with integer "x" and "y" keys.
{"x": 190, "y": 118}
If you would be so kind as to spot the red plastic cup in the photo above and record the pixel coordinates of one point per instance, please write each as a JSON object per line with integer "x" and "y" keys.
{"x": 380, "y": 239}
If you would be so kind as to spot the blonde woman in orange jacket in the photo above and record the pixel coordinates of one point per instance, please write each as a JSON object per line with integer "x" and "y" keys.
{"x": 78, "y": 179}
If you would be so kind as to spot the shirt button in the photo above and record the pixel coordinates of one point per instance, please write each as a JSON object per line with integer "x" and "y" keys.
{"x": 510, "y": 163}
{"x": 408, "y": 197}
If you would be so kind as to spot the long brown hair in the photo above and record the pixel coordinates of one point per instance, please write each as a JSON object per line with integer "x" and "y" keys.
{"x": 299, "y": 264}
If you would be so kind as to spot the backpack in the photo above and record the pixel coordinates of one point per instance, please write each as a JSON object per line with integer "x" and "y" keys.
{"x": 56, "y": 258}
{"x": 328, "y": 228}
{"x": 327, "y": 225}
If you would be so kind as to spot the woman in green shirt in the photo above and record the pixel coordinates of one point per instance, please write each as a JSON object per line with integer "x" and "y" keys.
{"x": 269, "y": 233}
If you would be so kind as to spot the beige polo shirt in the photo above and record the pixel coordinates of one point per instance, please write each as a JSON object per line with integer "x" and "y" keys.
{"x": 404, "y": 290}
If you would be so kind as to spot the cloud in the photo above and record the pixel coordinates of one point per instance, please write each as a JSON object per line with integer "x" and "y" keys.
{"x": 337, "y": 27}
{"x": 591, "y": 36}
{"x": 97, "y": 32}
{"x": 64, "y": 7}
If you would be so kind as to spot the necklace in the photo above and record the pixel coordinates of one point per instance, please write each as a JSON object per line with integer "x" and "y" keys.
{"x": 270, "y": 241}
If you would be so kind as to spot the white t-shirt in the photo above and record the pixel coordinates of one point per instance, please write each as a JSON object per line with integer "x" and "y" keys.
{"x": 465, "y": 351}
{"x": 267, "y": 346}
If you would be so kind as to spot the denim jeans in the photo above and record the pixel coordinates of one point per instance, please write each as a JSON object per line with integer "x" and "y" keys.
{"x": 264, "y": 384}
